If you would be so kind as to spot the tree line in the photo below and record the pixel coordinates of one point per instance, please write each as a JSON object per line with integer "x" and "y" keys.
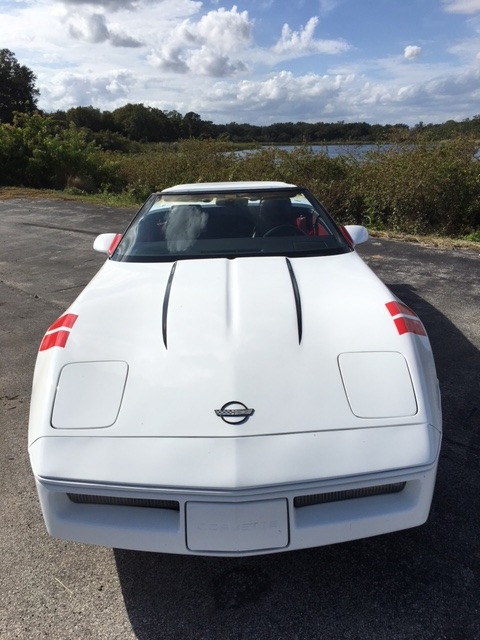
{"x": 140, "y": 123}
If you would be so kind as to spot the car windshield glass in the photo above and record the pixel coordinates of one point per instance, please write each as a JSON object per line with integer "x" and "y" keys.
{"x": 201, "y": 224}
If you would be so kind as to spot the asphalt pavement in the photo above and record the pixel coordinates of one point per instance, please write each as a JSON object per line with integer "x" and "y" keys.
{"x": 418, "y": 584}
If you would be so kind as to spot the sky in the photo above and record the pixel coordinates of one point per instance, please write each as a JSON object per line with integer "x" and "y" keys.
{"x": 255, "y": 61}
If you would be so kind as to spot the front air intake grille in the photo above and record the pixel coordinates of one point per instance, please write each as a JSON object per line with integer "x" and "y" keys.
{"x": 81, "y": 498}
{"x": 350, "y": 494}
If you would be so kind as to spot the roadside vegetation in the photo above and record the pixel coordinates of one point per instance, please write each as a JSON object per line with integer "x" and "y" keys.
{"x": 416, "y": 187}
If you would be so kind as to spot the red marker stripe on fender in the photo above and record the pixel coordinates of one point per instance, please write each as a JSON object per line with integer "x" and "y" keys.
{"x": 409, "y": 325}
{"x": 57, "y": 334}
{"x": 55, "y": 339}
{"x": 397, "y": 308}
{"x": 403, "y": 323}
{"x": 67, "y": 321}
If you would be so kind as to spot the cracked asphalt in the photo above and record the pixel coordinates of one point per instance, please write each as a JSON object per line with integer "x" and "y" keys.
{"x": 419, "y": 584}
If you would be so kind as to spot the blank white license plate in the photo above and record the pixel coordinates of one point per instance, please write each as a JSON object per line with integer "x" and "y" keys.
{"x": 237, "y": 527}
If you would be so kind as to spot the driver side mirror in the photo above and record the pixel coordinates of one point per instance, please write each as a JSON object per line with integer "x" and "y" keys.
{"x": 107, "y": 242}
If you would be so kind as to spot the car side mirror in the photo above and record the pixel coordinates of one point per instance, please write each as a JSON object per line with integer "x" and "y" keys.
{"x": 107, "y": 242}
{"x": 357, "y": 233}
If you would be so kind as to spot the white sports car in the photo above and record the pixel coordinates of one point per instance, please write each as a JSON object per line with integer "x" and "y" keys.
{"x": 234, "y": 381}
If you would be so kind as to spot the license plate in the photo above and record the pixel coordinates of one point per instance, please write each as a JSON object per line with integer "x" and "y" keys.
{"x": 236, "y": 527}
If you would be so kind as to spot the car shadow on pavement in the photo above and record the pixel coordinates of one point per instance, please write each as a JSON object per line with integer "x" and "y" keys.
{"x": 418, "y": 583}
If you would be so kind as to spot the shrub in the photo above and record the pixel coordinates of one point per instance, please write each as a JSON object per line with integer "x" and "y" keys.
{"x": 41, "y": 152}
{"x": 418, "y": 188}
{"x": 13, "y": 159}
{"x": 184, "y": 162}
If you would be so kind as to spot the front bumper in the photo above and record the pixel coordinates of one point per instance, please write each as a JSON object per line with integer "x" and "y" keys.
{"x": 226, "y": 523}
{"x": 236, "y": 496}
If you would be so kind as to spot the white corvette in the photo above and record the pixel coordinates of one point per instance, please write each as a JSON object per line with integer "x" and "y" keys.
{"x": 234, "y": 381}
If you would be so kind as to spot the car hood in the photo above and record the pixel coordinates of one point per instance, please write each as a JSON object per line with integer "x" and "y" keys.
{"x": 228, "y": 348}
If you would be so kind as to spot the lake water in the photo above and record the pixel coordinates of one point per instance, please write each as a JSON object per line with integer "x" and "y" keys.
{"x": 334, "y": 150}
{"x": 331, "y": 150}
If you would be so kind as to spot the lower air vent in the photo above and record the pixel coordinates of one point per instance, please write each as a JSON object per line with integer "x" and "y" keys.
{"x": 351, "y": 494}
{"x": 82, "y": 498}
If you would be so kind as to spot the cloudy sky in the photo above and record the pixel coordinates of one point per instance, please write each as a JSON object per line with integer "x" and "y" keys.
{"x": 256, "y": 61}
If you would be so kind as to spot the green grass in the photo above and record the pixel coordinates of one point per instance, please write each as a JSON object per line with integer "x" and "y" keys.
{"x": 472, "y": 237}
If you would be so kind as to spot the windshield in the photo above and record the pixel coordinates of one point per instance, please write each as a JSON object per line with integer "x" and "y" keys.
{"x": 200, "y": 224}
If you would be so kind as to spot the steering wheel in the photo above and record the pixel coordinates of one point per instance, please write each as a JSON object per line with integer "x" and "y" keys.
{"x": 284, "y": 230}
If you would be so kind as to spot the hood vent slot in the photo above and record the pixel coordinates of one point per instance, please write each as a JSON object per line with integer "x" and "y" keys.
{"x": 298, "y": 302}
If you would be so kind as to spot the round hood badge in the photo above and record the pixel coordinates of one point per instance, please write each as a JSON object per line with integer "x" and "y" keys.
{"x": 234, "y": 413}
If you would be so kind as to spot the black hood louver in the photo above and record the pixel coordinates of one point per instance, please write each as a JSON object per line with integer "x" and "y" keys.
{"x": 298, "y": 302}
{"x": 166, "y": 300}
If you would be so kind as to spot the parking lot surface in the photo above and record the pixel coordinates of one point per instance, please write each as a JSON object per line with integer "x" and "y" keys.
{"x": 417, "y": 584}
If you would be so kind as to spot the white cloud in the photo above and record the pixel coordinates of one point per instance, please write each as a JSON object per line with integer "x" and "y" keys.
{"x": 467, "y": 50}
{"x": 467, "y": 7}
{"x": 226, "y": 30}
{"x": 412, "y": 52}
{"x": 327, "y": 6}
{"x": 169, "y": 58}
{"x": 123, "y": 40}
{"x": 66, "y": 90}
{"x": 210, "y": 46}
{"x": 210, "y": 63}
{"x": 283, "y": 96}
{"x": 113, "y": 5}
{"x": 454, "y": 87}
{"x": 431, "y": 100}
{"x": 94, "y": 29}
{"x": 303, "y": 42}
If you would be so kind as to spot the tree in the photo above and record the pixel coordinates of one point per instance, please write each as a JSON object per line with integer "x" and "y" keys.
{"x": 86, "y": 117}
{"x": 17, "y": 87}
{"x": 141, "y": 123}
{"x": 192, "y": 125}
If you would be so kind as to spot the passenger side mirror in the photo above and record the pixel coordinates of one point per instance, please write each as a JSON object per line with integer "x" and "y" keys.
{"x": 357, "y": 233}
